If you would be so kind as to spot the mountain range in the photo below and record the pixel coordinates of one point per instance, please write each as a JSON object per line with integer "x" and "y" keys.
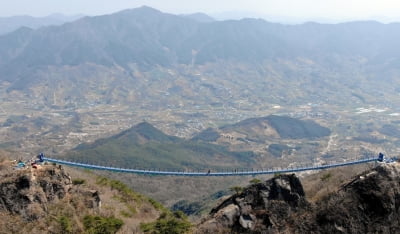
{"x": 9, "y": 24}
{"x": 149, "y": 38}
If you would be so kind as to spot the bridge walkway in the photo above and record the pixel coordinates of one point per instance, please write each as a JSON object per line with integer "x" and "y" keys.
{"x": 211, "y": 173}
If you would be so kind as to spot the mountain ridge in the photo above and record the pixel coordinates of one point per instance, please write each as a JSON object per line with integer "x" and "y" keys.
{"x": 12, "y": 23}
{"x": 120, "y": 39}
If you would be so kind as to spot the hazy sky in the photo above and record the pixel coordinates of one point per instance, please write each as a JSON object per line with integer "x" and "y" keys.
{"x": 334, "y": 9}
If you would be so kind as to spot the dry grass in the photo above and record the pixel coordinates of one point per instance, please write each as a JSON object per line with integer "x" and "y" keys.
{"x": 170, "y": 189}
{"x": 320, "y": 184}
{"x": 132, "y": 211}
{"x": 66, "y": 215}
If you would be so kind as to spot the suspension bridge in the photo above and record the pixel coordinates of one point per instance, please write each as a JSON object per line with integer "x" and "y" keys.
{"x": 252, "y": 172}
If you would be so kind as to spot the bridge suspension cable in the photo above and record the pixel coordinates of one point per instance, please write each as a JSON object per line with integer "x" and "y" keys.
{"x": 211, "y": 173}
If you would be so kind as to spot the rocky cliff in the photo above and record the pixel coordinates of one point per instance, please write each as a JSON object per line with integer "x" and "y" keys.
{"x": 367, "y": 204}
{"x": 29, "y": 192}
{"x": 45, "y": 199}
{"x": 262, "y": 206}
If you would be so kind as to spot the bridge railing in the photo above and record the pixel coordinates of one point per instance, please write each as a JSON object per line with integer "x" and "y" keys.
{"x": 235, "y": 172}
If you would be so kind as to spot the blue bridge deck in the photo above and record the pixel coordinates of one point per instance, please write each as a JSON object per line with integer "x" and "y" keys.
{"x": 211, "y": 173}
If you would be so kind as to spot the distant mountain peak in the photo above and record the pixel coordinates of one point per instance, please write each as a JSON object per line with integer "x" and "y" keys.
{"x": 147, "y": 8}
{"x": 142, "y": 9}
{"x": 144, "y": 127}
{"x": 200, "y": 17}
{"x": 143, "y": 132}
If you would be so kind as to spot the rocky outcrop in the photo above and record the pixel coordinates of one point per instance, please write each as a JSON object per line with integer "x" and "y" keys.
{"x": 370, "y": 203}
{"x": 262, "y": 206}
{"x": 28, "y": 192}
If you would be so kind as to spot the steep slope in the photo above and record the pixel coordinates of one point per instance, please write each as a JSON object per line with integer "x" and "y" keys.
{"x": 259, "y": 207}
{"x": 45, "y": 199}
{"x": 29, "y": 192}
{"x": 367, "y": 204}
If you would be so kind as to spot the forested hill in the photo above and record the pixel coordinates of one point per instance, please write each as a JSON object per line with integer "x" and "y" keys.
{"x": 144, "y": 146}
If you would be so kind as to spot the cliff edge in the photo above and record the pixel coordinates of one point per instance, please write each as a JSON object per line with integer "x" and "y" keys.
{"x": 29, "y": 192}
{"x": 43, "y": 198}
{"x": 369, "y": 203}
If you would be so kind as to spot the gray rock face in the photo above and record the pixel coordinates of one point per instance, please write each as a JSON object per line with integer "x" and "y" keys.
{"x": 247, "y": 221}
{"x": 370, "y": 203}
{"x": 28, "y": 192}
{"x": 228, "y": 215}
{"x": 261, "y": 206}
